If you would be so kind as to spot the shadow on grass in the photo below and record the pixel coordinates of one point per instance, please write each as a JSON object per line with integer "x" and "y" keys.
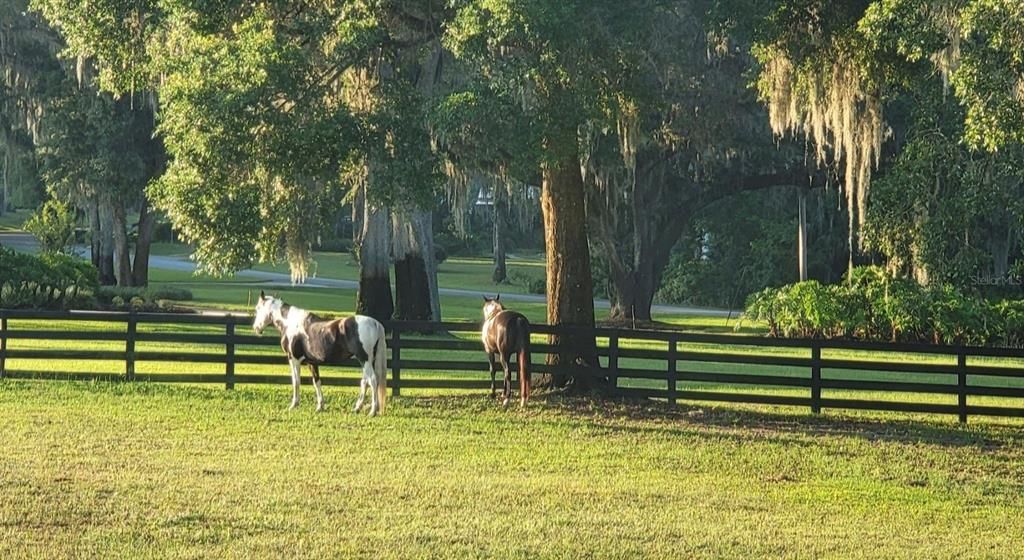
{"x": 633, "y": 415}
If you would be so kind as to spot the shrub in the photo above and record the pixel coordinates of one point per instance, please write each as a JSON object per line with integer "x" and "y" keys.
{"x": 124, "y": 298}
{"x": 108, "y": 294}
{"x": 958, "y": 319}
{"x": 1010, "y": 326}
{"x": 53, "y": 225}
{"x": 49, "y": 281}
{"x": 875, "y": 306}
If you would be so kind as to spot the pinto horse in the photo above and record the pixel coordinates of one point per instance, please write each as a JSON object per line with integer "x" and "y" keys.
{"x": 505, "y": 333}
{"x": 308, "y": 339}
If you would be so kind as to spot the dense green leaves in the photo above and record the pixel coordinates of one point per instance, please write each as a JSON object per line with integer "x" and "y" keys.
{"x": 877, "y": 306}
{"x": 269, "y": 112}
{"x": 53, "y": 226}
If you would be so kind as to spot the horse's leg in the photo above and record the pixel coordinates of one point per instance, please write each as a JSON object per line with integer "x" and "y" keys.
{"x": 295, "y": 364}
{"x": 524, "y": 378}
{"x": 494, "y": 370}
{"x": 369, "y": 375}
{"x": 507, "y": 393}
{"x": 362, "y": 395}
{"x": 314, "y": 370}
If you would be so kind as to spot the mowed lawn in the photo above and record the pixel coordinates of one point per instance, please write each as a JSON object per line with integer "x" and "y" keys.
{"x": 110, "y": 470}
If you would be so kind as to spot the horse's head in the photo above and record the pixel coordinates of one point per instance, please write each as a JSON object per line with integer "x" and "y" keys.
{"x": 265, "y": 307}
{"x": 492, "y": 306}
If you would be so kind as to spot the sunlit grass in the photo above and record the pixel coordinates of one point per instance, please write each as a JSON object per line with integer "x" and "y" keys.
{"x": 143, "y": 470}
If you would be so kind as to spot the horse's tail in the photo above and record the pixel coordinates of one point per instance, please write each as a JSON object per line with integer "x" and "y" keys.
{"x": 524, "y": 359}
{"x": 380, "y": 367}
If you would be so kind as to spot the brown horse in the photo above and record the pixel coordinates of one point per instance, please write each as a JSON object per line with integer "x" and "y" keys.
{"x": 505, "y": 333}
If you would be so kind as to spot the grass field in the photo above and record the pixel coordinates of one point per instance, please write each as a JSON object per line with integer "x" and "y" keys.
{"x": 114, "y": 470}
{"x": 467, "y": 273}
{"x": 13, "y": 220}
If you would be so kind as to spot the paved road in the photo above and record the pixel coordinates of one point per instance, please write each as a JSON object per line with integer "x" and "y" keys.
{"x": 23, "y": 241}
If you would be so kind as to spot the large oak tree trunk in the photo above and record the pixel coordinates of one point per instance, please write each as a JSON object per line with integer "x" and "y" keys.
{"x": 358, "y": 213}
{"x": 374, "y": 297}
{"x": 147, "y": 227}
{"x": 633, "y": 298}
{"x": 412, "y": 237}
{"x": 426, "y": 240}
{"x": 105, "y": 261}
{"x": 93, "y": 212}
{"x": 500, "y": 209}
{"x": 637, "y": 239}
{"x": 570, "y": 290}
{"x": 802, "y": 232}
{"x": 122, "y": 255}
{"x": 5, "y": 197}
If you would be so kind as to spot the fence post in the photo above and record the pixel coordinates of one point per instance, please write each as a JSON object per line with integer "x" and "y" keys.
{"x": 229, "y": 363}
{"x": 396, "y": 361}
{"x": 613, "y": 359}
{"x": 961, "y": 385}
{"x": 3, "y": 343}
{"x": 815, "y": 377}
{"x": 129, "y": 348}
{"x": 672, "y": 371}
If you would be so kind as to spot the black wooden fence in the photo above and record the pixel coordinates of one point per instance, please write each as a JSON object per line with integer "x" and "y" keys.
{"x": 668, "y": 365}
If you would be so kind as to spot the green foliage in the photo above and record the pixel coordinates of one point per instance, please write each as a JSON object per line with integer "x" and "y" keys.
{"x": 269, "y": 113}
{"x": 746, "y": 242}
{"x": 875, "y": 306}
{"x": 940, "y": 209}
{"x": 53, "y": 226}
{"x": 49, "y": 281}
{"x": 557, "y": 65}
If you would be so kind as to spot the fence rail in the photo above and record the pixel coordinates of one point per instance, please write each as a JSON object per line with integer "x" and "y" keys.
{"x": 674, "y": 366}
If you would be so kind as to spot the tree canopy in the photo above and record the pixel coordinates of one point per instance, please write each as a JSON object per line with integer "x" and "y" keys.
{"x": 644, "y": 123}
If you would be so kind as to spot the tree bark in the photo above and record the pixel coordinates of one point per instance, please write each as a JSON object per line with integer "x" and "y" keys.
{"x": 5, "y": 198}
{"x": 426, "y": 240}
{"x": 802, "y": 232}
{"x": 122, "y": 256}
{"x": 147, "y": 227}
{"x": 637, "y": 240}
{"x": 94, "y": 231}
{"x": 412, "y": 271}
{"x": 499, "y": 207}
{"x": 358, "y": 212}
{"x": 570, "y": 290}
{"x": 374, "y": 296}
{"x": 105, "y": 261}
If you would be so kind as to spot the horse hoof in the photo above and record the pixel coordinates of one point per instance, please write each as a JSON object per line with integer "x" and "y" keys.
{"x": 504, "y": 403}
{"x": 293, "y": 406}
{"x": 320, "y": 408}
